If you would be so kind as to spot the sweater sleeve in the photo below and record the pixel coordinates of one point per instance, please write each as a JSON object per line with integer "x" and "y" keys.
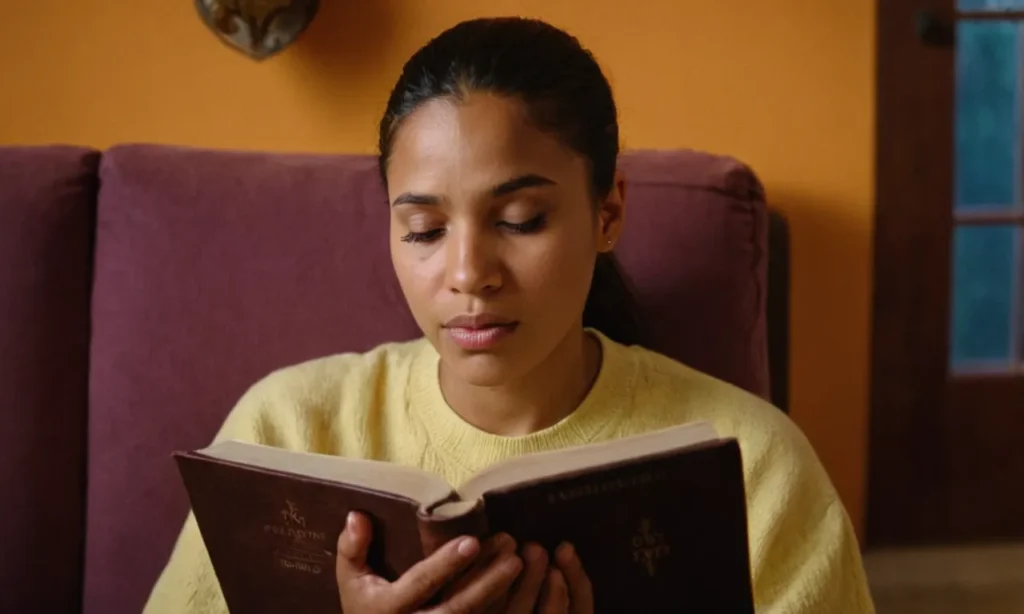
{"x": 188, "y": 584}
{"x": 804, "y": 552}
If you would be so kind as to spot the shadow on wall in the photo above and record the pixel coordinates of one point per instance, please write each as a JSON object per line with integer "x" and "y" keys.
{"x": 342, "y": 63}
{"x": 347, "y": 38}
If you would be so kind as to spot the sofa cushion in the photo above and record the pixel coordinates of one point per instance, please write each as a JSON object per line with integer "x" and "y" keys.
{"x": 47, "y": 206}
{"x": 214, "y": 268}
{"x": 695, "y": 251}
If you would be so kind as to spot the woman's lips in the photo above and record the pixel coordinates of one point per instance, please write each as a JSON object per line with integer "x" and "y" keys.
{"x": 479, "y": 338}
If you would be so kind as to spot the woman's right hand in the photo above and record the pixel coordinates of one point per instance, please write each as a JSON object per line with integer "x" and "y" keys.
{"x": 491, "y": 570}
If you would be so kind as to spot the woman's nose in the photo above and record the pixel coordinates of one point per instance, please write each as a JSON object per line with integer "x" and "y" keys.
{"x": 472, "y": 263}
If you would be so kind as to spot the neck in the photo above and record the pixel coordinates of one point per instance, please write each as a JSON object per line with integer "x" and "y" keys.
{"x": 537, "y": 400}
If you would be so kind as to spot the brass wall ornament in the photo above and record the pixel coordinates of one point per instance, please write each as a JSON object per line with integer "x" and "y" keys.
{"x": 258, "y": 28}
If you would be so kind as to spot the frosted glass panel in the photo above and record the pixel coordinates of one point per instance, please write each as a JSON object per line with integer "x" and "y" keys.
{"x": 987, "y": 113}
{"x": 985, "y": 264}
{"x": 990, "y": 5}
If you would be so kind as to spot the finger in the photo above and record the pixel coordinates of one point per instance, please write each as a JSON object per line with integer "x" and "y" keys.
{"x": 492, "y": 548}
{"x": 353, "y": 545}
{"x": 485, "y": 589}
{"x": 530, "y": 581}
{"x": 424, "y": 579}
{"x": 581, "y": 592}
{"x": 555, "y": 594}
{"x": 497, "y": 545}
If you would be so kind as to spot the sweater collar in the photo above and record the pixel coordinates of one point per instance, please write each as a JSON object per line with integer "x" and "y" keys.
{"x": 596, "y": 417}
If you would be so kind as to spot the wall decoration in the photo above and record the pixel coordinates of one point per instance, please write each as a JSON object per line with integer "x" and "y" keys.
{"x": 258, "y": 28}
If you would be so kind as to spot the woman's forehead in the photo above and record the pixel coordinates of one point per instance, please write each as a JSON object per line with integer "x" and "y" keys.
{"x": 481, "y": 139}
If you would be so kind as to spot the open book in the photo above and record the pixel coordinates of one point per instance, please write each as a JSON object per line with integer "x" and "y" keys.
{"x": 659, "y": 519}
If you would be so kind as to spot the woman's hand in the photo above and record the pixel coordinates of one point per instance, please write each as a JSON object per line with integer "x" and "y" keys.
{"x": 567, "y": 589}
{"x": 468, "y": 577}
{"x": 490, "y": 572}
{"x": 541, "y": 588}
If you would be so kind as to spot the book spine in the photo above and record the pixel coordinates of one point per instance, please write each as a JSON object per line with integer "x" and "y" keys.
{"x": 436, "y": 531}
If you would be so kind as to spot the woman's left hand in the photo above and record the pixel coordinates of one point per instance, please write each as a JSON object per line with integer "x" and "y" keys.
{"x": 567, "y": 589}
{"x": 555, "y": 585}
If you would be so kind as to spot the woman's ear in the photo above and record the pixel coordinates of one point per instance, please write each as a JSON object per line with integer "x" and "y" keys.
{"x": 611, "y": 214}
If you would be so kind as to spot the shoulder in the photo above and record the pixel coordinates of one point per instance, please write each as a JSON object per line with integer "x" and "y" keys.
{"x": 329, "y": 373}
{"x": 771, "y": 443}
{"x": 690, "y": 395}
{"x": 291, "y": 398}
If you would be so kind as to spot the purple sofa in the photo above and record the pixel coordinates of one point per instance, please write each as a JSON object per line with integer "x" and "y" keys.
{"x": 143, "y": 288}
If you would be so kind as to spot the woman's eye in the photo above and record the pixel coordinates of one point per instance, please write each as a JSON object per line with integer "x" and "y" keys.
{"x": 526, "y": 227}
{"x": 423, "y": 237}
{"x": 430, "y": 236}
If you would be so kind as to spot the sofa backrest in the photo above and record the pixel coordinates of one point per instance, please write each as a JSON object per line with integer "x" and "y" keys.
{"x": 215, "y": 268}
{"x": 47, "y": 207}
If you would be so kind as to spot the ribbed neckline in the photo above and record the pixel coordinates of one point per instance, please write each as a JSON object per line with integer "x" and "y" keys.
{"x": 604, "y": 406}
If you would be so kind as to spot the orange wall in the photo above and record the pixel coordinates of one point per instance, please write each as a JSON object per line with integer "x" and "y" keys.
{"x": 786, "y": 86}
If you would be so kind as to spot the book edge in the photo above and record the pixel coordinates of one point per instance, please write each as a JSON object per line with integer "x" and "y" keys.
{"x": 421, "y": 506}
{"x": 723, "y": 442}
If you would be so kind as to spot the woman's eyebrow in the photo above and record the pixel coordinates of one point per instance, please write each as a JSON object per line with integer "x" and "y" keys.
{"x": 410, "y": 198}
{"x": 520, "y": 183}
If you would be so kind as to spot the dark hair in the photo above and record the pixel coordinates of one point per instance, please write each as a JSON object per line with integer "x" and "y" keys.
{"x": 565, "y": 93}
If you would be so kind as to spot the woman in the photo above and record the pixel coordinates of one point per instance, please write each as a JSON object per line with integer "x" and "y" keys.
{"x": 498, "y": 149}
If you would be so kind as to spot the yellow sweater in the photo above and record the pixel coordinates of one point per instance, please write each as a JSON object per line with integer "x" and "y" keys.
{"x": 387, "y": 404}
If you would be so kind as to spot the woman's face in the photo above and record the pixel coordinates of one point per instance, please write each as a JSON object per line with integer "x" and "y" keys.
{"x": 494, "y": 233}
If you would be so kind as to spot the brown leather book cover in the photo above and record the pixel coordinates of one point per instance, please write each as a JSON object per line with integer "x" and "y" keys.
{"x": 272, "y": 536}
{"x": 664, "y": 532}
{"x": 668, "y": 534}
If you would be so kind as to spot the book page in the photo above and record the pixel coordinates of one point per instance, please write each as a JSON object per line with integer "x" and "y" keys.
{"x": 408, "y": 482}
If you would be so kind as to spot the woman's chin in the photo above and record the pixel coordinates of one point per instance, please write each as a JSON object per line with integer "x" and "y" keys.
{"x": 484, "y": 370}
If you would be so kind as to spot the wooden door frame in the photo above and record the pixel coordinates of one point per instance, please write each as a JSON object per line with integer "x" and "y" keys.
{"x": 920, "y": 454}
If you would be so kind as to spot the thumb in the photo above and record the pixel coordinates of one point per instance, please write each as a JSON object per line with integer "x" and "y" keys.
{"x": 353, "y": 544}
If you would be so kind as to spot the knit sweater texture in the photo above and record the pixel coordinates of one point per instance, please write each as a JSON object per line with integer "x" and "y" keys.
{"x": 387, "y": 404}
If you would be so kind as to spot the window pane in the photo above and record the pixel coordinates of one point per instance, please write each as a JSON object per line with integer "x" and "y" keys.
{"x": 990, "y": 5}
{"x": 984, "y": 275}
{"x": 987, "y": 113}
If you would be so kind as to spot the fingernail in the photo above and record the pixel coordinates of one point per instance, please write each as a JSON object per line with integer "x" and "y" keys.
{"x": 350, "y": 521}
{"x": 532, "y": 553}
{"x": 568, "y": 553}
{"x": 467, "y": 547}
{"x": 505, "y": 542}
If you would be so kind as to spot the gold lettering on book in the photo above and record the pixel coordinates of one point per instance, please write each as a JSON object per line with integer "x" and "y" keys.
{"x": 649, "y": 546}
{"x": 296, "y": 534}
{"x": 303, "y": 551}
{"x": 311, "y": 568}
{"x": 291, "y": 515}
{"x": 294, "y": 526}
{"x": 602, "y": 487}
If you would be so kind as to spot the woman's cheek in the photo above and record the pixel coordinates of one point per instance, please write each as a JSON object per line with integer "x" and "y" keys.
{"x": 561, "y": 269}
